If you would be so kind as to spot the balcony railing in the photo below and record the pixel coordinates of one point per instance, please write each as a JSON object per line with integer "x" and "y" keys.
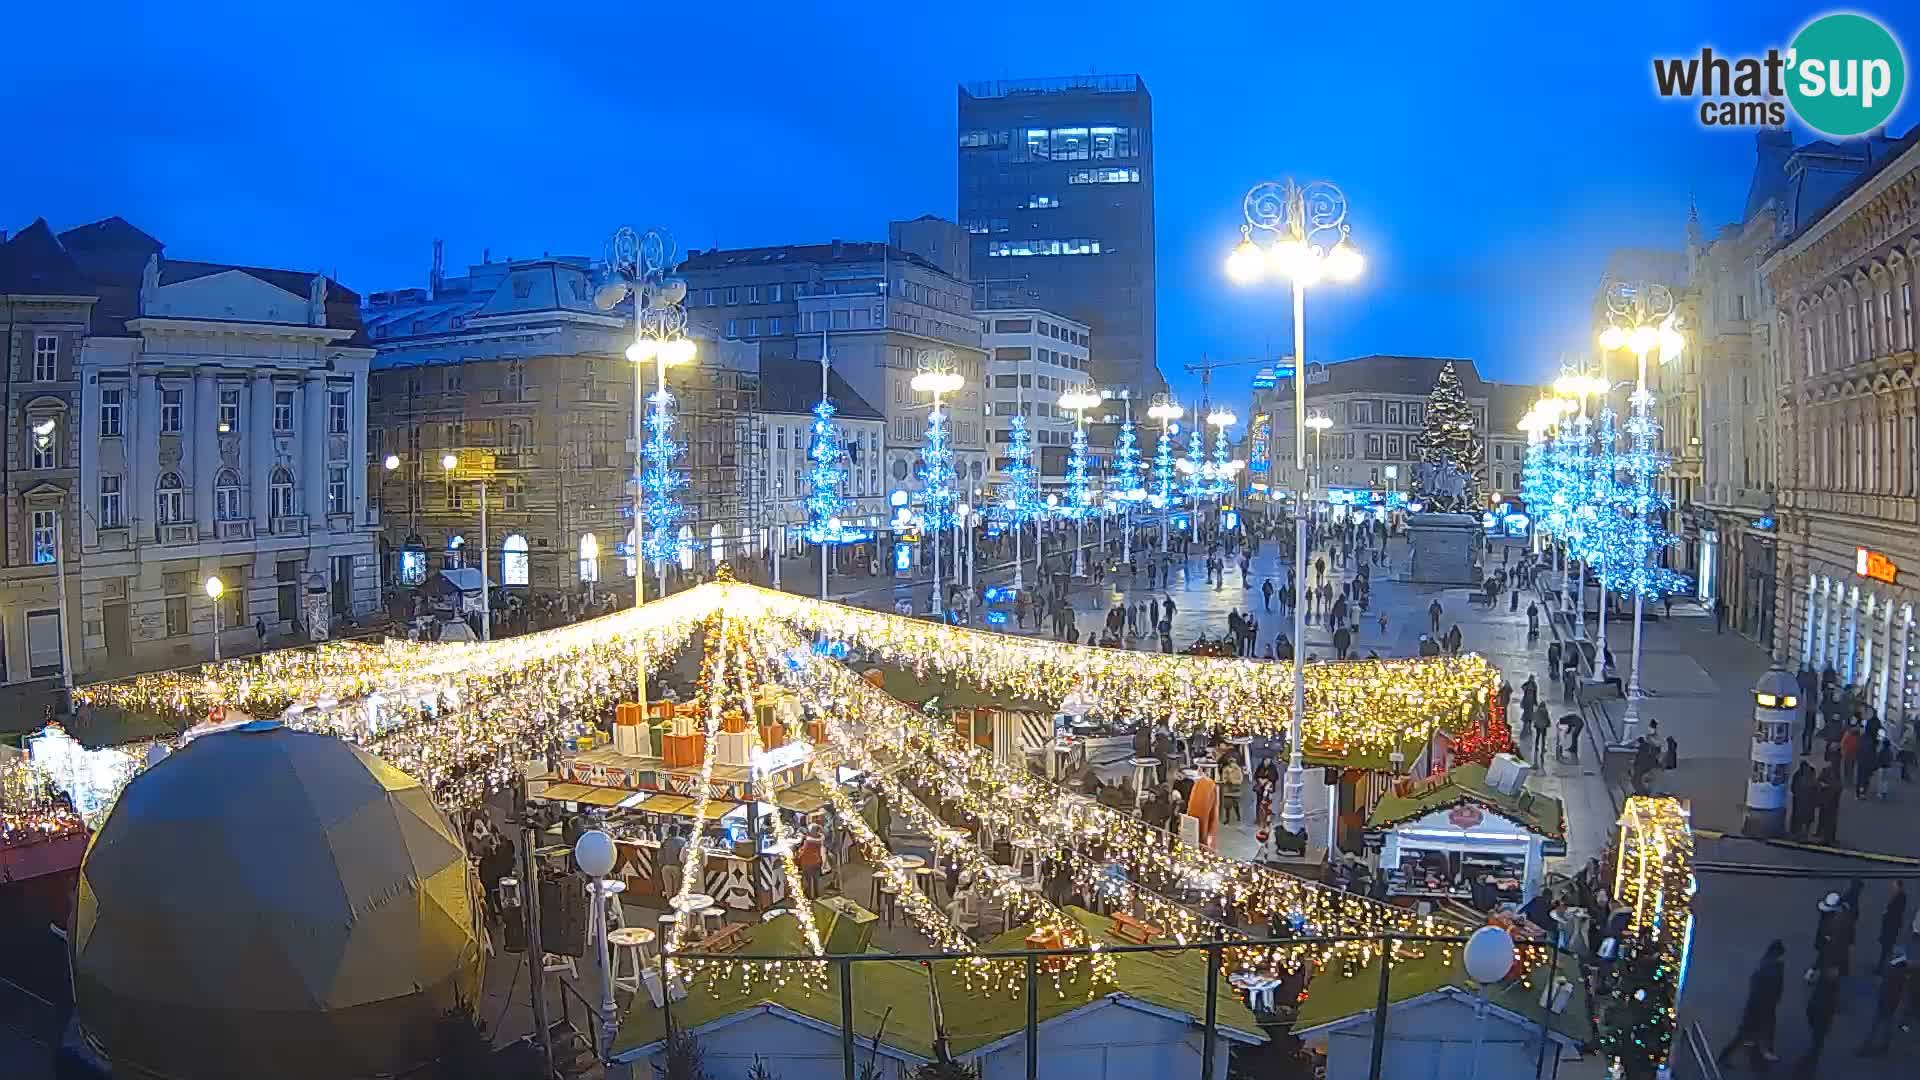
{"x": 177, "y": 532}
{"x": 235, "y": 529}
{"x": 291, "y": 525}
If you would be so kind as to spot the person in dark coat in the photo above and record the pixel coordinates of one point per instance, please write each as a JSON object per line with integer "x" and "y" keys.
{"x": 1827, "y": 799}
{"x": 1803, "y": 794}
{"x": 1553, "y": 660}
{"x": 1822, "y": 1000}
{"x": 1893, "y": 918}
{"x": 1893, "y": 988}
{"x": 1757, "y": 1019}
{"x": 1529, "y": 695}
{"x": 1809, "y": 707}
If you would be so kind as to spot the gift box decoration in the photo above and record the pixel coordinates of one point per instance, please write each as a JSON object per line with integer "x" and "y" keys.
{"x": 732, "y": 749}
{"x": 685, "y": 751}
{"x": 627, "y": 714}
{"x": 773, "y": 736}
{"x": 763, "y": 711}
{"x": 817, "y": 732}
{"x": 733, "y": 722}
{"x": 685, "y": 724}
{"x": 660, "y": 710}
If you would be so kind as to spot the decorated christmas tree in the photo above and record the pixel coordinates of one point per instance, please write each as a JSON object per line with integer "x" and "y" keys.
{"x": 1644, "y": 508}
{"x": 1079, "y": 500}
{"x": 1603, "y": 542}
{"x": 936, "y": 479}
{"x": 826, "y": 478}
{"x": 1195, "y": 466}
{"x": 1451, "y": 455}
{"x": 1163, "y": 469}
{"x": 1126, "y": 467}
{"x": 1222, "y": 480}
{"x": 1020, "y": 500}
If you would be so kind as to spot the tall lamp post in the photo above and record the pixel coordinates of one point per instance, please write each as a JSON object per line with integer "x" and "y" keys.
{"x": 1079, "y": 401}
{"x": 451, "y": 463}
{"x": 216, "y": 589}
{"x": 1641, "y": 319}
{"x": 641, "y": 265}
{"x": 1309, "y": 228}
{"x": 1318, "y": 424}
{"x": 938, "y": 379}
{"x": 1165, "y": 410}
{"x": 595, "y": 854}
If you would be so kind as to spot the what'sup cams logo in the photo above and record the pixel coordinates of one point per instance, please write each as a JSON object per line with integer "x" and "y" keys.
{"x": 1843, "y": 75}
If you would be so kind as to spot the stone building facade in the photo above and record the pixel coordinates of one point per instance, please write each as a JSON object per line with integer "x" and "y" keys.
{"x": 1845, "y": 328}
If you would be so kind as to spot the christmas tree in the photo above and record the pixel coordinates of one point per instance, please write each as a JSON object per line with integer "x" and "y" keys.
{"x": 1020, "y": 500}
{"x": 1222, "y": 481}
{"x": 1079, "y": 501}
{"x": 1644, "y": 508}
{"x": 1163, "y": 472}
{"x": 1195, "y": 466}
{"x": 1450, "y": 450}
{"x": 826, "y": 477}
{"x": 1603, "y": 542}
{"x": 661, "y": 481}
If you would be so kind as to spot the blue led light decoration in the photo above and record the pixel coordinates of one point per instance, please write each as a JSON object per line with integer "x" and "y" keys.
{"x": 1020, "y": 500}
{"x": 1079, "y": 501}
{"x": 1536, "y": 485}
{"x": 1126, "y": 467}
{"x": 1645, "y": 508}
{"x": 1195, "y": 466}
{"x": 826, "y": 478}
{"x": 1163, "y": 471}
{"x": 1604, "y": 541}
{"x": 661, "y": 481}
{"x": 936, "y": 475}
{"x": 1221, "y": 480}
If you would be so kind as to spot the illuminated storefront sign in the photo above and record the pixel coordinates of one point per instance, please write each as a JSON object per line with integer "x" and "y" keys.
{"x": 1875, "y": 565}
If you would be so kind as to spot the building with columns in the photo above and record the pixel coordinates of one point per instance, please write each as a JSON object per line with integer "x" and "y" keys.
{"x": 222, "y": 423}
{"x": 1845, "y": 328}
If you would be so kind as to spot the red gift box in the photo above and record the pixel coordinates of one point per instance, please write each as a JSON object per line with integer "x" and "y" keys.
{"x": 773, "y": 736}
{"x": 685, "y": 751}
{"x": 733, "y": 722}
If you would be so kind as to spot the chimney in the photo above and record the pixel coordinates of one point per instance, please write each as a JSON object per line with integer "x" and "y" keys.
{"x": 437, "y": 274}
{"x": 838, "y": 247}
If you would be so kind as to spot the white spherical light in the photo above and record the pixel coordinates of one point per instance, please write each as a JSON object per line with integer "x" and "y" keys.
{"x": 595, "y": 854}
{"x": 1489, "y": 955}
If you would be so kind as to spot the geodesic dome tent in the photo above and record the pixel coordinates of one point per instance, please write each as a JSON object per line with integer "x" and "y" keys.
{"x": 267, "y": 902}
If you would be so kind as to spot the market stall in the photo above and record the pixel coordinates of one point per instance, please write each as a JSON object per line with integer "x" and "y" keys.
{"x": 1471, "y": 833}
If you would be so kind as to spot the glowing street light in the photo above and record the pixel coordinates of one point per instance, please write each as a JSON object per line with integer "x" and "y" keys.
{"x": 1079, "y": 401}
{"x": 937, "y": 377}
{"x": 215, "y": 589}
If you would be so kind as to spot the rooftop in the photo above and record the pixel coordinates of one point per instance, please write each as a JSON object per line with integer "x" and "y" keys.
{"x": 793, "y": 386}
{"x": 33, "y": 262}
{"x": 1060, "y": 84}
{"x": 836, "y": 251}
{"x": 1468, "y": 784}
{"x": 1384, "y": 374}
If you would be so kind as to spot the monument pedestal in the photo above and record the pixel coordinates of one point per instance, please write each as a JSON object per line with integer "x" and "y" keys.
{"x": 1446, "y": 549}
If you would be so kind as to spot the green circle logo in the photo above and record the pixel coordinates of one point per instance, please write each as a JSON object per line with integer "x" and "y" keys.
{"x": 1847, "y": 74}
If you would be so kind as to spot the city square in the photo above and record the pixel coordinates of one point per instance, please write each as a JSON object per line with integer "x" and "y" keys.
{"x": 1160, "y": 605}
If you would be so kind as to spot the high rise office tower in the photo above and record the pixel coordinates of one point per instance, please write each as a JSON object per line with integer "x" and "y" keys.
{"x": 1056, "y": 190}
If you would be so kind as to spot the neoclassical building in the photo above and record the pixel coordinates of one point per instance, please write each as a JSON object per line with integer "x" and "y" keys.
{"x": 1849, "y": 522}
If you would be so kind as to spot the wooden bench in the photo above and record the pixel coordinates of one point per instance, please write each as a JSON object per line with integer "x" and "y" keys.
{"x": 1127, "y": 928}
{"x": 732, "y": 939}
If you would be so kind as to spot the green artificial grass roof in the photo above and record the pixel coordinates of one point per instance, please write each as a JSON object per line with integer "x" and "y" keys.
{"x": 903, "y": 685}
{"x": 897, "y": 990}
{"x": 1333, "y": 995}
{"x": 1468, "y": 783}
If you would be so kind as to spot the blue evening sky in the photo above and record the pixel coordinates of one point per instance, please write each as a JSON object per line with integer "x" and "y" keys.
{"x": 1493, "y": 153}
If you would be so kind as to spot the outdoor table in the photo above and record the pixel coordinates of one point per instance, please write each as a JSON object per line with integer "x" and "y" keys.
{"x": 609, "y": 890}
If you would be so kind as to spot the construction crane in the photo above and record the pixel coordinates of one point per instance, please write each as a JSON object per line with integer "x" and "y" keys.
{"x": 1205, "y": 367}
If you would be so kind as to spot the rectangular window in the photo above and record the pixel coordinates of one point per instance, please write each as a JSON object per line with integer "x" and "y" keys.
{"x": 46, "y": 358}
{"x": 733, "y": 294}
{"x": 337, "y": 489}
{"x": 516, "y": 494}
{"x": 110, "y": 517}
{"x": 732, "y": 328}
{"x": 170, "y": 504}
{"x": 774, "y": 294}
{"x": 283, "y": 410}
{"x": 176, "y": 616}
{"x": 44, "y": 526}
{"x": 773, "y": 325}
{"x": 110, "y": 401}
{"x": 337, "y": 412}
{"x": 170, "y": 410}
{"x": 454, "y": 496}
{"x": 753, "y": 294}
{"x": 713, "y": 297}
{"x": 753, "y": 327}
{"x": 840, "y": 319}
{"x": 45, "y": 440}
{"x": 229, "y": 410}
{"x": 1373, "y": 446}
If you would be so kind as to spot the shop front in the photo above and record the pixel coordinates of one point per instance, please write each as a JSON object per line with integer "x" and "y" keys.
{"x": 1861, "y": 624}
{"x": 1458, "y": 836}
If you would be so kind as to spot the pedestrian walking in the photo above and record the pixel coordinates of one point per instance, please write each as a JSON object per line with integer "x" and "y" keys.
{"x": 1266, "y": 593}
{"x": 1341, "y": 640}
{"x": 1533, "y": 620}
{"x": 1803, "y": 792}
{"x": 1553, "y": 660}
{"x": 1827, "y": 804}
{"x": 1719, "y": 615}
{"x": 1758, "y": 1017}
{"x": 1893, "y": 919}
{"x": 1433, "y": 617}
{"x": 1822, "y": 1000}
{"x": 1893, "y": 989}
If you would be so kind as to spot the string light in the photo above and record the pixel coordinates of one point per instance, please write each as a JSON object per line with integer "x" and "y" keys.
{"x": 662, "y": 482}
{"x": 1020, "y": 500}
{"x": 937, "y": 476}
{"x": 826, "y": 478}
{"x": 1653, "y": 880}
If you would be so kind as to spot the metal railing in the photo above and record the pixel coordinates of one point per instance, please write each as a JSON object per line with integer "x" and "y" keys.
{"x": 1563, "y": 963}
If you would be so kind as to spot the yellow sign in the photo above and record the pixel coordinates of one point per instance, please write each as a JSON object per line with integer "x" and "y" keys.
{"x": 475, "y": 464}
{"x": 1875, "y": 565}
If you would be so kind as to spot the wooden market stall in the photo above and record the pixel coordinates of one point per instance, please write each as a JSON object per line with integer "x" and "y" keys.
{"x": 1460, "y": 833}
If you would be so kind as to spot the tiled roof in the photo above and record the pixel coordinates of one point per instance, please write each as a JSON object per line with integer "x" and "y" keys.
{"x": 792, "y": 386}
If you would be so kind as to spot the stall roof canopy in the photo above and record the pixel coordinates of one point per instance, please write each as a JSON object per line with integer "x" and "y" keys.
{"x": 897, "y": 990}
{"x": 1468, "y": 784}
{"x": 463, "y": 579}
{"x": 1333, "y": 997}
{"x": 802, "y": 798}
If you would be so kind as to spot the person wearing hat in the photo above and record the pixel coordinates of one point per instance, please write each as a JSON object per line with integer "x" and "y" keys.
{"x": 1833, "y": 940}
{"x": 1757, "y": 1020}
{"x": 1893, "y": 988}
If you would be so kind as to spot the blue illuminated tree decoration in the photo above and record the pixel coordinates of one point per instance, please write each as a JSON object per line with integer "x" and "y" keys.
{"x": 1536, "y": 483}
{"x": 661, "y": 481}
{"x": 1163, "y": 472}
{"x": 1603, "y": 535}
{"x": 1222, "y": 479}
{"x": 826, "y": 478}
{"x": 1645, "y": 508}
{"x": 936, "y": 476}
{"x": 1020, "y": 500}
{"x": 1079, "y": 501}
{"x": 1126, "y": 468}
{"x": 1195, "y": 466}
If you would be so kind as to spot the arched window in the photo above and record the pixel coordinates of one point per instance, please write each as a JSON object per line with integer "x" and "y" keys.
{"x": 589, "y": 558}
{"x": 226, "y": 496}
{"x": 280, "y": 492}
{"x": 686, "y": 548}
{"x": 170, "y": 500}
{"x": 513, "y": 560}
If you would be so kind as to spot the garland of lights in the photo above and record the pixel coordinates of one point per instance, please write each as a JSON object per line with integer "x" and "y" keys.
{"x": 713, "y": 675}
{"x": 826, "y": 478}
{"x": 662, "y": 481}
{"x": 1536, "y": 487}
{"x": 1645, "y": 507}
{"x": 1020, "y": 502}
{"x": 1194, "y": 465}
{"x": 1222, "y": 481}
{"x": 1126, "y": 468}
{"x": 1604, "y": 539}
{"x": 1653, "y": 879}
{"x": 937, "y": 476}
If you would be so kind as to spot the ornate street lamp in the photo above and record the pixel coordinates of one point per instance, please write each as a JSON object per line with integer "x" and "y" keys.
{"x": 1308, "y": 226}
